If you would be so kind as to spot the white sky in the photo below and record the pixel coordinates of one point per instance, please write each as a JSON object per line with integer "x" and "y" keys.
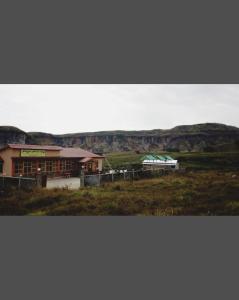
{"x": 85, "y": 108}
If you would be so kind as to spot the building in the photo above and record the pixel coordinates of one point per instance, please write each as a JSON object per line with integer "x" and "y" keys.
{"x": 27, "y": 160}
{"x": 159, "y": 162}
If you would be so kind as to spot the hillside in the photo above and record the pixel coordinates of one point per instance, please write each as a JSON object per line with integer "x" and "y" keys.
{"x": 199, "y": 137}
{"x": 10, "y": 134}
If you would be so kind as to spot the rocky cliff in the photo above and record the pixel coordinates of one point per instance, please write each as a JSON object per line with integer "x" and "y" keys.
{"x": 200, "y": 137}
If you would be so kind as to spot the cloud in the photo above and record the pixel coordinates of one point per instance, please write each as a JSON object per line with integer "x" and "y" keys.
{"x": 77, "y": 108}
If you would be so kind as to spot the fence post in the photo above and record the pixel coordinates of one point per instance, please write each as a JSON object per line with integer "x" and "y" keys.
{"x": 19, "y": 183}
{"x": 82, "y": 180}
{"x": 39, "y": 180}
{"x": 99, "y": 178}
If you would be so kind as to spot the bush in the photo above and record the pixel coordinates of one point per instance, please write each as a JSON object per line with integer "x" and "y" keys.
{"x": 117, "y": 187}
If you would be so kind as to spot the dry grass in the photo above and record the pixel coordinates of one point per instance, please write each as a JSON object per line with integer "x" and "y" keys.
{"x": 193, "y": 193}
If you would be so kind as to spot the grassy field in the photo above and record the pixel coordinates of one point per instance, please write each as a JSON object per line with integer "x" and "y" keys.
{"x": 227, "y": 161}
{"x": 192, "y": 193}
{"x": 210, "y": 186}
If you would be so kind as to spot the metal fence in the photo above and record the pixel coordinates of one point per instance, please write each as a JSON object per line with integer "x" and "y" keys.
{"x": 97, "y": 180}
{"x": 7, "y": 183}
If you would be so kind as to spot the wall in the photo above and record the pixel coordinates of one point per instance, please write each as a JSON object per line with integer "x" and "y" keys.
{"x": 7, "y": 155}
{"x": 100, "y": 164}
{"x": 92, "y": 180}
{"x": 52, "y": 153}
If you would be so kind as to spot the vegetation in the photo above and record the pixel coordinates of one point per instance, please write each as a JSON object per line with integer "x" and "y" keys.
{"x": 223, "y": 161}
{"x": 191, "y": 193}
{"x": 208, "y": 185}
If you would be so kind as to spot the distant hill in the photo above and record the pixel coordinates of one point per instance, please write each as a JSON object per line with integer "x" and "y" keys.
{"x": 199, "y": 137}
{"x": 10, "y": 134}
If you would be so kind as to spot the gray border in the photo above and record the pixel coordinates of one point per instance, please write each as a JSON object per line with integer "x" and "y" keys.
{"x": 118, "y": 258}
{"x": 119, "y": 42}
{"x": 109, "y": 42}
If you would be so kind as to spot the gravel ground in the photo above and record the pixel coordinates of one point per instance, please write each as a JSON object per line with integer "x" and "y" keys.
{"x": 71, "y": 183}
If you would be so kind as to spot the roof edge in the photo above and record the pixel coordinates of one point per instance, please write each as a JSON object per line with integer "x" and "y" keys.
{"x": 34, "y": 146}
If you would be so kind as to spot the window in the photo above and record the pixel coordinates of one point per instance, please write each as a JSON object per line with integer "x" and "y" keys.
{"x": 49, "y": 166}
{"x": 18, "y": 168}
{"x": 25, "y": 168}
{"x": 89, "y": 166}
{"x": 29, "y": 168}
{"x": 63, "y": 165}
{"x": 33, "y": 167}
{"x": 1, "y": 166}
{"x": 68, "y": 165}
{"x": 95, "y": 165}
{"x": 42, "y": 166}
{"x": 54, "y": 166}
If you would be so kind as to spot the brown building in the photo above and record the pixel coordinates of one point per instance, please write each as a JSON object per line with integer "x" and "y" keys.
{"x": 27, "y": 160}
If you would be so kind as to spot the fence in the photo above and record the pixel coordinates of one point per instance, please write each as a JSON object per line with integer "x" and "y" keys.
{"x": 7, "y": 183}
{"x": 97, "y": 180}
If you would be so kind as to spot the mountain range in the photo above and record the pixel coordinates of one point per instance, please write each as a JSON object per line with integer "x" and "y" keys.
{"x": 195, "y": 138}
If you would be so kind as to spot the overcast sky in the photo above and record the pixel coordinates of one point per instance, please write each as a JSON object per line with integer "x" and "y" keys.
{"x": 82, "y": 108}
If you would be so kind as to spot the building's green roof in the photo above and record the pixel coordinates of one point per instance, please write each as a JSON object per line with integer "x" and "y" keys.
{"x": 157, "y": 157}
{"x": 149, "y": 157}
{"x": 161, "y": 157}
{"x": 168, "y": 157}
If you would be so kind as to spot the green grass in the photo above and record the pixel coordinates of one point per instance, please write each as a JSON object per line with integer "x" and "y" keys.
{"x": 227, "y": 161}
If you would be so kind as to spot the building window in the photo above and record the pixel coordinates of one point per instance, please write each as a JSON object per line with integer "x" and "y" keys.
{"x": 95, "y": 165}
{"x": 68, "y": 165}
{"x": 89, "y": 167}
{"x": 42, "y": 166}
{"x": 18, "y": 168}
{"x": 63, "y": 165}
{"x": 25, "y": 168}
{"x": 49, "y": 166}
{"x": 29, "y": 167}
{"x": 54, "y": 166}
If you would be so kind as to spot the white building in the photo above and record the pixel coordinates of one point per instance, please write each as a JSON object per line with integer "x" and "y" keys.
{"x": 159, "y": 162}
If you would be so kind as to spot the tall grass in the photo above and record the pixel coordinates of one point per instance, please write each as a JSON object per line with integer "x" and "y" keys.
{"x": 193, "y": 193}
